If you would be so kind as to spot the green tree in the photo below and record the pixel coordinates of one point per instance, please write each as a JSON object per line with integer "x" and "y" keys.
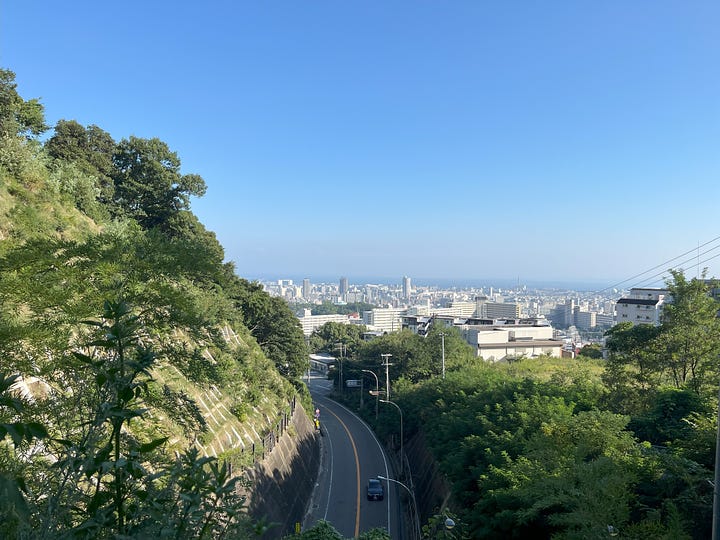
{"x": 328, "y": 308}
{"x": 271, "y": 321}
{"x": 416, "y": 357}
{"x": 411, "y": 358}
{"x": 632, "y": 372}
{"x": 458, "y": 353}
{"x": 323, "y": 530}
{"x": 148, "y": 184}
{"x": 329, "y": 335}
{"x": 670, "y": 417}
{"x": 592, "y": 350}
{"x": 689, "y": 343}
{"x": 91, "y": 149}
{"x": 17, "y": 116}
{"x": 572, "y": 479}
{"x": 682, "y": 352}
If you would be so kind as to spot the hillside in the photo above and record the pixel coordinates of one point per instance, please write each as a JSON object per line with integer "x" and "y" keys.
{"x": 120, "y": 322}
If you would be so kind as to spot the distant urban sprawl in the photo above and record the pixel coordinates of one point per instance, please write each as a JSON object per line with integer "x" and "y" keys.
{"x": 500, "y": 322}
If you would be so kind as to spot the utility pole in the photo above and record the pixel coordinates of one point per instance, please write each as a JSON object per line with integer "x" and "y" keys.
{"x": 343, "y": 349}
{"x": 387, "y": 364}
{"x": 716, "y": 483}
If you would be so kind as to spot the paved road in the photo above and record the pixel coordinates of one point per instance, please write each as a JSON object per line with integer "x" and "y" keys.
{"x": 350, "y": 454}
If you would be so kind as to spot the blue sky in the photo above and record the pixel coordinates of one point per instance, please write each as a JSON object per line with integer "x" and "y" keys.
{"x": 563, "y": 141}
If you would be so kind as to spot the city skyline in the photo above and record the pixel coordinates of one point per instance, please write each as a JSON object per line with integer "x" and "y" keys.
{"x": 460, "y": 283}
{"x": 566, "y": 143}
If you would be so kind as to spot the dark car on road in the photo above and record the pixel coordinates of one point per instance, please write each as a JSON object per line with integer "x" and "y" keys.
{"x": 375, "y": 491}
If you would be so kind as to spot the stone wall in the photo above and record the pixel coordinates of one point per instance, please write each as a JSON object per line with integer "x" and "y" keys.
{"x": 282, "y": 483}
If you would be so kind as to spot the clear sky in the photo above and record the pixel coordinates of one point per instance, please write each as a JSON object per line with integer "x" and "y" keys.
{"x": 566, "y": 140}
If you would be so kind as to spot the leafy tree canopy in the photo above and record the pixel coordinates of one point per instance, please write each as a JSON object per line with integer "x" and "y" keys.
{"x": 330, "y": 335}
{"x": 593, "y": 350}
{"x": 91, "y": 149}
{"x": 682, "y": 352}
{"x": 271, "y": 321}
{"x": 17, "y": 116}
{"x": 323, "y": 530}
{"x": 328, "y": 308}
{"x": 148, "y": 184}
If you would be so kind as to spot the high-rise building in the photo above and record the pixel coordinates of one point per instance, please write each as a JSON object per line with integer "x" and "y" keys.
{"x": 306, "y": 288}
{"x": 343, "y": 288}
{"x": 406, "y": 287}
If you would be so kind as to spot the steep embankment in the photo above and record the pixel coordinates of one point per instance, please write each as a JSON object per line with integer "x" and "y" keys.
{"x": 68, "y": 244}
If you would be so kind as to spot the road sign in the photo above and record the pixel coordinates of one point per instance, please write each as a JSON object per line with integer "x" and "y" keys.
{"x": 352, "y": 383}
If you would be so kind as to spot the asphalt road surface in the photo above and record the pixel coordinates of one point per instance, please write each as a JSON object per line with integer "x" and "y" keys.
{"x": 350, "y": 454}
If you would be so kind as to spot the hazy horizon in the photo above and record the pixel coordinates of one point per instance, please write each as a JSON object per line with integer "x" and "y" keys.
{"x": 435, "y": 138}
{"x": 464, "y": 283}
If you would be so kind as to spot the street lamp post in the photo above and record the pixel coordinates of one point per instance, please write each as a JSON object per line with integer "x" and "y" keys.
{"x": 442, "y": 526}
{"x": 377, "y": 390}
{"x": 402, "y": 459}
{"x": 412, "y": 495}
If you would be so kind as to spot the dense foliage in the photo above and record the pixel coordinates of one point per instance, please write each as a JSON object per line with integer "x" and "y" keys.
{"x": 115, "y": 305}
{"x": 117, "y": 313}
{"x": 324, "y": 530}
{"x": 560, "y": 448}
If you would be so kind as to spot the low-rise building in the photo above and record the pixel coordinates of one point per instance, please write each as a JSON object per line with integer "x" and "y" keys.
{"x": 311, "y": 322}
{"x": 384, "y": 319}
{"x": 500, "y": 339}
{"x": 641, "y": 306}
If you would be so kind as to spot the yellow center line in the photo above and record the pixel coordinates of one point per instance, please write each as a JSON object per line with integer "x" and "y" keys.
{"x": 357, "y": 472}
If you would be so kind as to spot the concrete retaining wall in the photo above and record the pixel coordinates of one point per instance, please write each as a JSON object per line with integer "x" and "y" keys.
{"x": 432, "y": 490}
{"x": 282, "y": 483}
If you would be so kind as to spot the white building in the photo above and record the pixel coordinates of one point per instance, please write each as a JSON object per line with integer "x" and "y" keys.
{"x": 310, "y": 322}
{"x": 585, "y": 319}
{"x": 406, "y": 287}
{"x": 500, "y": 339}
{"x": 641, "y": 306}
{"x": 384, "y": 319}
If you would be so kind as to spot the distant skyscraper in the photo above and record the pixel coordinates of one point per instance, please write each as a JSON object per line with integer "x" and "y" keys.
{"x": 343, "y": 288}
{"x": 407, "y": 287}
{"x": 306, "y": 288}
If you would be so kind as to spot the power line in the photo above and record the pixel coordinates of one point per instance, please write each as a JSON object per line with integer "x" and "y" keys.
{"x": 681, "y": 265}
{"x": 664, "y": 264}
{"x": 667, "y": 276}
